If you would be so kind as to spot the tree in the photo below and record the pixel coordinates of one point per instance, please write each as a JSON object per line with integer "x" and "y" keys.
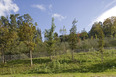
{"x": 63, "y": 32}
{"x": 27, "y": 34}
{"x": 8, "y": 39}
{"x": 109, "y": 26}
{"x": 114, "y": 26}
{"x": 50, "y": 42}
{"x": 13, "y": 22}
{"x": 101, "y": 41}
{"x": 39, "y": 33}
{"x": 84, "y": 34}
{"x": 38, "y": 39}
{"x": 94, "y": 32}
{"x": 73, "y": 37}
{"x": 3, "y": 41}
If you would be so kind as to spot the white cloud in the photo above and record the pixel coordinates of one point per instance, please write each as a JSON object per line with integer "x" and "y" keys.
{"x": 41, "y": 7}
{"x": 58, "y": 16}
{"x": 108, "y": 13}
{"x": 6, "y": 6}
{"x": 105, "y": 15}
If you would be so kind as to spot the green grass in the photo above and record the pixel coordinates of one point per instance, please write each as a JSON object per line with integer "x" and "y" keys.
{"x": 84, "y": 62}
{"x": 104, "y": 74}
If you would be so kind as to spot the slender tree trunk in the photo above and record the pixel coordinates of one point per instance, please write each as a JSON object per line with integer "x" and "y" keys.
{"x": 3, "y": 56}
{"x": 64, "y": 44}
{"x": 51, "y": 57}
{"x": 64, "y": 47}
{"x": 72, "y": 54}
{"x": 84, "y": 38}
{"x": 102, "y": 59}
{"x": 31, "y": 57}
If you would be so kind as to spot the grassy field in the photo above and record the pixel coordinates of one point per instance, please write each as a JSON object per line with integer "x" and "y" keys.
{"x": 85, "y": 64}
{"x": 104, "y": 74}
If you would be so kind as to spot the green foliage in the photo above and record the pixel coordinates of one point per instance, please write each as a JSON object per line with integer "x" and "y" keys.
{"x": 13, "y": 22}
{"x": 108, "y": 27}
{"x": 101, "y": 39}
{"x": 27, "y": 34}
{"x": 8, "y": 40}
{"x": 73, "y": 35}
{"x": 83, "y": 35}
{"x": 50, "y": 39}
{"x": 95, "y": 29}
{"x": 63, "y": 32}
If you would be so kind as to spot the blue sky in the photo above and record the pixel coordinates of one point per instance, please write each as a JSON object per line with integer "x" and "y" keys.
{"x": 64, "y": 11}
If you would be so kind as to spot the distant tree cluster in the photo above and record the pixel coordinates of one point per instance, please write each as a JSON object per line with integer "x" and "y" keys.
{"x": 108, "y": 27}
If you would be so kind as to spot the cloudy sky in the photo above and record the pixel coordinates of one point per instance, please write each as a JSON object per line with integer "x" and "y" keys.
{"x": 64, "y": 11}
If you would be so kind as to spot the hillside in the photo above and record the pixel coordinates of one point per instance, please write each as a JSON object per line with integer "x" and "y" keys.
{"x": 84, "y": 62}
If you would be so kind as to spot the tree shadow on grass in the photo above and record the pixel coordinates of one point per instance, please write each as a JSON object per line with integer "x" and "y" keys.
{"x": 24, "y": 62}
{"x": 100, "y": 67}
{"x": 40, "y": 61}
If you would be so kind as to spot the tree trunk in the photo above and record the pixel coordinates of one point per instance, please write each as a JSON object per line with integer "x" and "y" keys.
{"x": 102, "y": 59}
{"x": 72, "y": 54}
{"x": 31, "y": 57}
{"x": 51, "y": 58}
{"x": 64, "y": 47}
{"x": 3, "y": 56}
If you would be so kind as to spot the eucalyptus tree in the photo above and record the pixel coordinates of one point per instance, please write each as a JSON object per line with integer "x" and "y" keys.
{"x": 49, "y": 39}
{"x": 101, "y": 40}
{"x": 27, "y": 33}
{"x": 73, "y": 37}
{"x": 8, "y": 39}
{"x": 63, "y": 32}
{"x": 109, "y": 26}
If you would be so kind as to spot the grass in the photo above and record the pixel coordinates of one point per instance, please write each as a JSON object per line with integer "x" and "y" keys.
{"x": 88, "y": 63}
{"x": 104, "y": 74}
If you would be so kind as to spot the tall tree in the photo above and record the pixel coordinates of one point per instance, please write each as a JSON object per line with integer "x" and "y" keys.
{"x": 57, "y": 42}
{"x": 63, "y": 32}
{"x": 109, "y": 26}
{"x": 3, "y": 41}
{"x": 27, "y": 34}
{"x": 101, "y": 40}
{"x": 39, "y": 33}
{"x": 50, "y": 42}
{"x": 95, "y": 29}
{"x": 7, "y": 40}
{"x": 73, "y": 37}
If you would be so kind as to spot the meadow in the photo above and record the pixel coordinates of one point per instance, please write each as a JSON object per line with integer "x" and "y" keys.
{"x": 85, "y": 64}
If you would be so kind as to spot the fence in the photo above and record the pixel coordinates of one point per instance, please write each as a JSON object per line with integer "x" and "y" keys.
{"x": 23, "y": 56}
{"x": 43, "y": 54}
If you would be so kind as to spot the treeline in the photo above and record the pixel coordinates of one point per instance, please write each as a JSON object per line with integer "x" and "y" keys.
{"x": 19, "y": 34}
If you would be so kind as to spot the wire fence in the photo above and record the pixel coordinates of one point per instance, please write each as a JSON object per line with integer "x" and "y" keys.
{"x": 44, "y": 54}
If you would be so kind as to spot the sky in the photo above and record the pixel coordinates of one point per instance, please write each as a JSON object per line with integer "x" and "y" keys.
{"x": 86, "y": 12}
